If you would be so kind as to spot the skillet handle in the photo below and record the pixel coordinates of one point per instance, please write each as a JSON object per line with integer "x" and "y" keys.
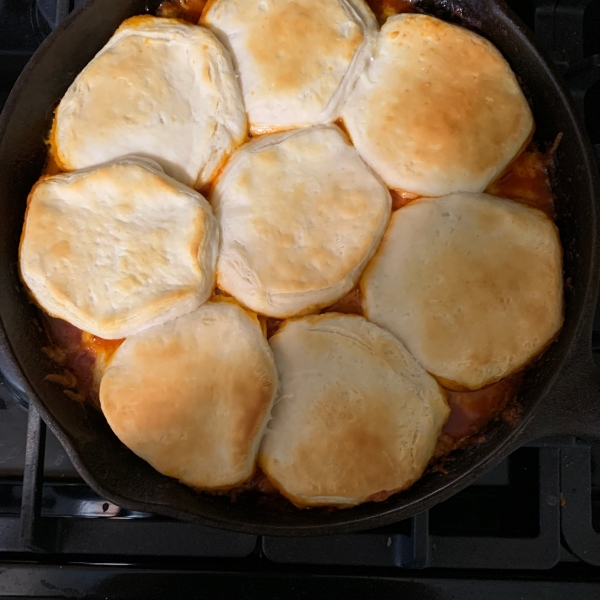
{"x": 573, "y": 405}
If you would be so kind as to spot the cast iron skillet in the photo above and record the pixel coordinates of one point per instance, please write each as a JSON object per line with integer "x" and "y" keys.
{"x": 560, "y": 395}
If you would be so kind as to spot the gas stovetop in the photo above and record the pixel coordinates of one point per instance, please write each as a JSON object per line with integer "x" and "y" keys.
{"x": 528, "y": 529}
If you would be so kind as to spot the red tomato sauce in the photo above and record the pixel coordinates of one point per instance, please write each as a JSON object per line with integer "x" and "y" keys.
{"x": 188, "y": 10}
{"x": 80, "y": 353}
{"x": 527, "y": 181}
{"x": 386, "y": 8}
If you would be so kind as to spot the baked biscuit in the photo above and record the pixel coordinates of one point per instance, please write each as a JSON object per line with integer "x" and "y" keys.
{"x": 118, "y": 248}
{"x": 300, "y": 216}
{"x": 160, "y": 88}
{"x": 471, "y": 284}
{"x": 357, "y": 418}
{"x": 297, "y": 59}
{"x": 438, "y": 110}
{"x": 192, "y": 397}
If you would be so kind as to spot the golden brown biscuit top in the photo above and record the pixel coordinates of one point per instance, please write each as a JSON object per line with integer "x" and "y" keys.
{"x": 439, "y": 109}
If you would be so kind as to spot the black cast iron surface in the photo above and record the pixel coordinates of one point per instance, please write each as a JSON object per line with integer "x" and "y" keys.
{"x": 117, "y": 474}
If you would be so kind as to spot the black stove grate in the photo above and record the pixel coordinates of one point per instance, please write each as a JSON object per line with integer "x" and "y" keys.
{"x": 41, "y": 515}
{"x": 579, "y": 512}
{"x": 510, "y": 519}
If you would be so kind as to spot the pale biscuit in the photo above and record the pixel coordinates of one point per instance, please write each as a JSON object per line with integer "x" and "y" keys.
{"x": 470, "y": 283}
{"x": 161, "y": 88}
{"x": 356, "y": 419}
{"x": 300, "y": 215}
{"x": 118, "y": 248}
{"x": 297, "y": 59}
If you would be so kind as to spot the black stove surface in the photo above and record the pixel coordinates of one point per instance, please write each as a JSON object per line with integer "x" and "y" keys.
{"x": 528, "y": 529}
